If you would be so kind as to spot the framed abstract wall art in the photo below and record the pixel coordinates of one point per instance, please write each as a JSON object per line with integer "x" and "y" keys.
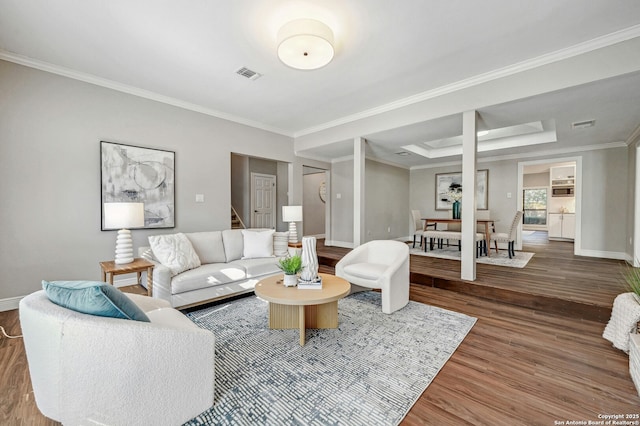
{"x": 142, "y": 175}
{"x": 446, "y": 181}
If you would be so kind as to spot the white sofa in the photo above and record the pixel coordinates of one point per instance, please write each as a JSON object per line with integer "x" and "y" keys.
{"x": 224, "y": 270}
{"x": 90, "y": 370}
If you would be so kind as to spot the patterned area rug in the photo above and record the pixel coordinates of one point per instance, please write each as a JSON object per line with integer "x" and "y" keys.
{"x": 370, "y": 370}
{"x": 520, "y": 260}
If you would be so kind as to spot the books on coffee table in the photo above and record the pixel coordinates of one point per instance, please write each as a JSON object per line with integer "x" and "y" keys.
{"x": 315, "y": 284}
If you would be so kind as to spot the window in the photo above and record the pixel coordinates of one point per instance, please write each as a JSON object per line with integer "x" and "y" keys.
{"x": 535, "y": 206}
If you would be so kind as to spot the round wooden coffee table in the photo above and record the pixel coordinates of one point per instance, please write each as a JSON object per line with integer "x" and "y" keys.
{"x": 291, "y": 307}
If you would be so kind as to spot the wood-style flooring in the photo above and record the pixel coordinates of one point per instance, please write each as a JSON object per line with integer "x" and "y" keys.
{"x": 518, "y": 365}
{"x": 554, "y": 280}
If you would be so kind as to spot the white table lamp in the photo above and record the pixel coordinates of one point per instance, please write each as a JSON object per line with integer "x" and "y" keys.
{"x": 122, "y": 216}
{"x": 292, "y": 214}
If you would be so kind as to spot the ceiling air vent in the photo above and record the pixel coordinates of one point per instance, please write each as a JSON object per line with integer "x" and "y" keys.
{"x": 583, "y": 124}
{"x": 403, "y": 153}
{"x": 246, "y": 72}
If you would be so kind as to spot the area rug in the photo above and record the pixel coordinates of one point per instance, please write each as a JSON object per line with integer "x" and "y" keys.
{"x": 370, "y": 370}
{"x": 501, "y": 258}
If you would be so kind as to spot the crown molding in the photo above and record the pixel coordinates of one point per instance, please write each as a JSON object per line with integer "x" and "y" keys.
{"x": 568, "y": 150}
{"x": 635, "y": 136}
{"x": 146, "y": 94}
{"x": 549, "y": 58}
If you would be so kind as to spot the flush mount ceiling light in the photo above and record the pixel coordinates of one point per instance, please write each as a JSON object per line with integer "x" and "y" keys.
{"x": 305, "y": 44}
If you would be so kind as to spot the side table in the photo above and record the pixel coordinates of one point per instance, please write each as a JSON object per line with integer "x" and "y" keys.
{"x": 138, "y": 266}
{"x": 295, "y": 248}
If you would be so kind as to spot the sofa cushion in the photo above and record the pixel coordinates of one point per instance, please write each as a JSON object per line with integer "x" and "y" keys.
{"x": 257, "y": 243}
{"x": 207, "y": 275}
{"x": 208, "y": 246}
{"x": 94, "y": 298}
{"x": 280, "y": 243}
{"x": 258, "y": 267}
{"x": 233, "y": 244}
{"x": 368, "y": 271}
{"x": 175, "y": 252}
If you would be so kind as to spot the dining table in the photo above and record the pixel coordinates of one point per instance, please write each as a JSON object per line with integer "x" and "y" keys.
{"x": 489, "y": 225}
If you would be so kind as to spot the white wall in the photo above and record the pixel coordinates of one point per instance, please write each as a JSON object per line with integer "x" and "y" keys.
{"x": 50, "y": 133}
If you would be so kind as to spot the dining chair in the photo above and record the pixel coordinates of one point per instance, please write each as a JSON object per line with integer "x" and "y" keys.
{"x": 417, "y": 226}
{"x": 481, "y": 228}
{"x": 510, "y": 237}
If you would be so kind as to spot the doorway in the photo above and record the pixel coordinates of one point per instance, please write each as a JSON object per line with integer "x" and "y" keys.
{"x": 315, "y": 201}
{"x": 560, "y": 181}
{"x": 263, "y": 201}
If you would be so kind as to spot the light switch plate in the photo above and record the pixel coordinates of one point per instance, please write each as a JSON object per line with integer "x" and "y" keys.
{"x": 199, "y": 198}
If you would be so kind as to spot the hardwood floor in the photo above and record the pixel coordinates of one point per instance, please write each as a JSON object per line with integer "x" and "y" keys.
{"x": 518, "y": 365}
{"x": 554, "y": 280}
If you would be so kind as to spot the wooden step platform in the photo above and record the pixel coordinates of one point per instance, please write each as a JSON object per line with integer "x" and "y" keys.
{"x": 554, "y": 281}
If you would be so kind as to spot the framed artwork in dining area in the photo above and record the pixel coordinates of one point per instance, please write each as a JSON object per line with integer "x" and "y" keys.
{"x": 445, "y": 182}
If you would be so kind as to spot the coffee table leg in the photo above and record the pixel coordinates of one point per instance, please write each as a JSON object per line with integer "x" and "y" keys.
{"x": 301, "y": 324}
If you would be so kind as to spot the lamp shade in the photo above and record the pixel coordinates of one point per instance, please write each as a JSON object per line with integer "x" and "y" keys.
{"x": 123, "y": 215}
{"x": 292, "y": 213}
{"x": 305, "y": 44}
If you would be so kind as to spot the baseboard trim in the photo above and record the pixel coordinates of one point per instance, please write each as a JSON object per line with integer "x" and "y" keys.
{"x": 10, "y": 303}
{"x": 343, "y": 244}
{"x": 602, "y": 254}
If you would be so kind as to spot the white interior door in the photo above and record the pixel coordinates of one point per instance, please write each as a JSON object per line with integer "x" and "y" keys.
{"x": 263, "y": 201}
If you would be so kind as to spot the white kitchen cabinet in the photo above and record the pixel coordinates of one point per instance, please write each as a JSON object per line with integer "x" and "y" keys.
{"x": 562, "y": 226}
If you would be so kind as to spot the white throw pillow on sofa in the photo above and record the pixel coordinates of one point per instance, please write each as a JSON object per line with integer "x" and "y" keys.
{"x": 257, "y": 244}
{"x": 281, "y": 243}
{"x": 175, "y": 252}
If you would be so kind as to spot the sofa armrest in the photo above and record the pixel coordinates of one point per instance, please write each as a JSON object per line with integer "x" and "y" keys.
{"x": 161, "y": 275}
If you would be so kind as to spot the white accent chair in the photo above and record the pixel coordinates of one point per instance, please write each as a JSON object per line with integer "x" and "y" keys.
{"x": 510, "y": 237}
{"x": 382, "y": 264}
{"x": 94, "y": 370}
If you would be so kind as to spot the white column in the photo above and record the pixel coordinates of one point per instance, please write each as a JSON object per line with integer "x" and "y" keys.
{"x": 469, "y": 166}
{"x": 358, "y": 191}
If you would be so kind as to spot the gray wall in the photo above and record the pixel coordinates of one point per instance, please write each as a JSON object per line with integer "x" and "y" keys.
{"x": 604, "y": 197}
{"x": 50, "y": 133}
{"x": 533, "y": 180}
{"x": 604, "y": 201}
{"x": 386, "y": 201}
{"x": 314, "y": 209}
{"x": 342, "y": 208}
{"x": 502, "y": 180}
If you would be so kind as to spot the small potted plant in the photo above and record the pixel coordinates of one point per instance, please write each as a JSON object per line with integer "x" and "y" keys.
{"x": 290, "y": 265}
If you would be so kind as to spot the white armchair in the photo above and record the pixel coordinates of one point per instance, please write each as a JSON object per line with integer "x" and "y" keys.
{"x": 88, "y": 369}
{"x": 382, "y": 264}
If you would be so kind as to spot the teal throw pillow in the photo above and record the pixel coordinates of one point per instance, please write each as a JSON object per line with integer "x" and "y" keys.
{"x": 94, "y": 298}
